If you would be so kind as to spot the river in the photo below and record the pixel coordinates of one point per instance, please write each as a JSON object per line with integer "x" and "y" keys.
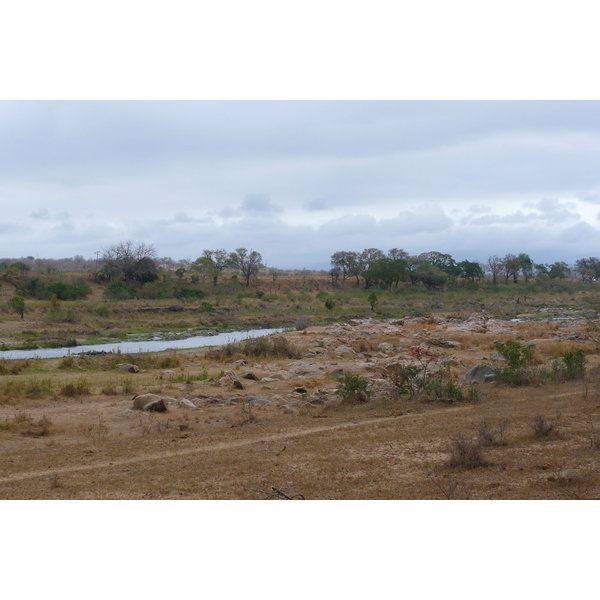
{"x": 199, "y": 341}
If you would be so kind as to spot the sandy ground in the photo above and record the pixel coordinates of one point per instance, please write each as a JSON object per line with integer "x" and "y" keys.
{"x": 300, "y": 439}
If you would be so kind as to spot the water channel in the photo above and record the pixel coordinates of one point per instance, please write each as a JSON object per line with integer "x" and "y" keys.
{"x": 139, "y": 346}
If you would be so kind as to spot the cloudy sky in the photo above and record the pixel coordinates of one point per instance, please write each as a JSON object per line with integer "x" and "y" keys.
{"x": 299, "y": 180}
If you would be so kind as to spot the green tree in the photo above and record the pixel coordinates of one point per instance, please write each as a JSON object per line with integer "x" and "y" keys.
{"x": 212, "y": 263}
{"x": 18, "y": 305}
{"x": 372, "y": 300}
{"x": 432, "y": 277}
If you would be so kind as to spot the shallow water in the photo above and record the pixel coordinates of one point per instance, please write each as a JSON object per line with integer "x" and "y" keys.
{"x": 199, "y": 341}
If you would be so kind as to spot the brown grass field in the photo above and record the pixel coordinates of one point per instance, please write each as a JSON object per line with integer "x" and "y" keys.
{"x": 68, "y": 429}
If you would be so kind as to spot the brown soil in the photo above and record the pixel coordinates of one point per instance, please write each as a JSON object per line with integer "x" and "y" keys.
{"x": 311, "y": 443}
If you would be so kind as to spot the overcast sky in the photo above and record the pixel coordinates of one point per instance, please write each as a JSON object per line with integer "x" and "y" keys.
{"x": 299, "y": 180}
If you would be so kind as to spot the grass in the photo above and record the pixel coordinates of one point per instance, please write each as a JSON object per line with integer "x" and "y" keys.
{"x": 262, "y": 347}
{"x": 24, "y": 424}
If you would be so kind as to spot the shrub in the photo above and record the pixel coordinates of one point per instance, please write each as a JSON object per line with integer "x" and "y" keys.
{"x": 62, "y": 316}
{"x": 25, "y": 425}
{"x": 276, "y": 346}
{"x": 329, "y": 304}
{"x": 543, "y": 428}
{"x": 442, "y": 388}
{"x": 102, "y": 311}
{"x": 490, "y": 435}
{"x": 78, "y": 388}
{"x": 355, "y": 388}
{"x": 574, "y": 362}
{"x": 466, "y": 453}
{"x": 302, "y": 323}
{"x": 119, "y": 290}
{"x": 518, "y": 358}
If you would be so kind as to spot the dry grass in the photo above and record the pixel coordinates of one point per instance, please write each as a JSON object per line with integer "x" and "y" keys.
{"x": 24, "y": 424}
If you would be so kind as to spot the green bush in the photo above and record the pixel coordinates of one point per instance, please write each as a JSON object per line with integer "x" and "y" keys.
{"x": 518, "y": 359}
{"x": 355, "y": 388}
{"x": 574, "y": 363}
{"x": 119, "y": 290}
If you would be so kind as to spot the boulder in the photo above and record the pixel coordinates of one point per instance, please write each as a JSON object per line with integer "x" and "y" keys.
{"x": 480, "y": 373}
{"x": 156, "y": 406}
{"x": 249, "y": 375}
{"x": 187, "y": 403}
{"x": 258, "y": 400}
{"x": 344, "y": 351}
{"x": 129, "y": 368}
{"x": 230, "y": 379}
{"x": 140, "y": 400}
{"x": 149, "y": 402}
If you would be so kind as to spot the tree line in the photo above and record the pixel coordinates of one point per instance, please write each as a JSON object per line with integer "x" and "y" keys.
{"x": 128, "y": 267}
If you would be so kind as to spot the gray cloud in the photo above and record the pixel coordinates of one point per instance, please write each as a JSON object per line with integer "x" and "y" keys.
{"x": 259, "y": 204}
{"x": 590, "y": 198}
{"x": 318, "y": 204}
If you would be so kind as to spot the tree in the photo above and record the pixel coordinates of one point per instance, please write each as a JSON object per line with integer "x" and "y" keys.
{"x": 494, "y": 265}
{"x": 470, "y": 270}
{"x": 372, "y": 299}
{"x": 526, "y": 265}
{"x": 413, "y": 265}
{"x": 212, "y": 263}
{"x": 387, "y": 272}
{"x": 345, "y": 263}
{"x": 588, "y": 268}
{"x": 129, "y": 262}
{"x": 510, "y": 267}
{"x": 249, "y": 263}
{"x": 18, "y": 305}
{"x": 431, "y": 276}
{"x": 444, "y": 262}
{"x": 366, "y": 259}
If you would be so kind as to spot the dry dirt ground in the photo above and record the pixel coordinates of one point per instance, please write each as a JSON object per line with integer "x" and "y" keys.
{"x": 300, "y": 439}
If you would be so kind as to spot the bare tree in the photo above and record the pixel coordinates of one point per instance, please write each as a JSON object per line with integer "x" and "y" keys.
{"x": 494, "y": 265}
{"x": 249, "y": 263}
{"x": 130, "y": 262}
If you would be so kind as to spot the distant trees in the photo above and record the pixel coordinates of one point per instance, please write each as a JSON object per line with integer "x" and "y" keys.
{"x": 588, "y": 268}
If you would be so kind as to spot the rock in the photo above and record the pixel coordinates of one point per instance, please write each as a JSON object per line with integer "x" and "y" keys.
{"x": 480, "y": 373}
{"x": 156, "y": 406}
{"x": 149, "y": 402}
{"x": 129, "y": 368}
{"x": 300, "y": 390}
{"x": 308, "y": 370}
{"x": 497, "y": 356}
{"x": 442, "y": 343}
{"x": 249, "y": 375}
{"x": 258, "y": 400}
{"x": 344, "y": 351}
{"x": 187, "y": 403}
{"x": 385, "y": 347}
{"x": 230, "y": 379}
{"x": 337, "y": 373}
{"x": 139, "y": 401}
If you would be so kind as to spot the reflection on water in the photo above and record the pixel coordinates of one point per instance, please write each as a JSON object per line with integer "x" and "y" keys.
{"x": 198, "y": 341}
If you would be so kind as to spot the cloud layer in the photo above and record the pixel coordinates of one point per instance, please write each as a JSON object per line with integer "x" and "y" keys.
{"x": 300, "y": 180}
